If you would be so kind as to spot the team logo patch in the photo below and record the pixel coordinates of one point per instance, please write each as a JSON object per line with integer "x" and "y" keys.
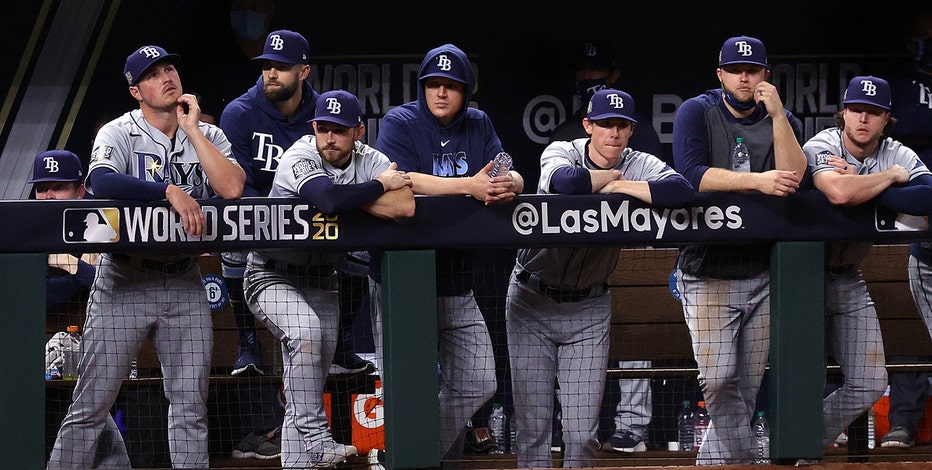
{"x": 102, "y": 153}
{"x": 91, "y": 225}
{"x": 217, "y": 293}
{"x": 304, "y": 168}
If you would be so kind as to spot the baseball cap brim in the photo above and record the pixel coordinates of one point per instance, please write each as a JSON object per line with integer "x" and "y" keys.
{"x": 51, "y": 179}
{"x": 276, "y": 58}
{"x": 751, "y": 62}
{"x": 863, "y": 101}
{"x": 599, "y": 117}
{"x": 444, "y": 75}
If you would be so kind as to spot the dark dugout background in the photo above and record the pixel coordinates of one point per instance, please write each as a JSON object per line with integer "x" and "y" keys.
{"x": 667, "y": 52}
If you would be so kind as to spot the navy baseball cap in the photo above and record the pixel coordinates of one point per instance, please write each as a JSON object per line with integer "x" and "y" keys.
{"x": 446, "y": 64}
{"x": 285, "y": 46}
{"x": 143, "y": 58}
{"x": 595, "y": 55}
{"x": 868, "y": 90}
{"x": 611, "y": 103}
{"x": 743, "y": 50}
{"x": 56, "y": 165}
{"x": 339, "y": 107}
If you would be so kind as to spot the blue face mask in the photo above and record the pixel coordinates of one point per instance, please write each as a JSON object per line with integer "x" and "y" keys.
{"x": 247, "y": 24}
{"x": 586, "y": 88}
{"x": 739, "y": 105}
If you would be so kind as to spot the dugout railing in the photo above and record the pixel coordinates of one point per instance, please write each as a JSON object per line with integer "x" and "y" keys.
{"x": 798, "y": 225}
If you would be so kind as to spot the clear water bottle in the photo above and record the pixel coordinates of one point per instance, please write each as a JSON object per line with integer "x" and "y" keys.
{"x": 501, "y": 164}
{"x": 71, "y": 353}
{"x": 685, "y": 429}
{"x": 700, "y": 424}
{"x": 761, "y": 430}
{"x": 134, "y": 369}
{"x": 740, "y": 159}
{"x": 497, "y": 427}
{"x": 871, "y": 429}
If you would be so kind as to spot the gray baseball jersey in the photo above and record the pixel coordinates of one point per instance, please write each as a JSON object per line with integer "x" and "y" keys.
{"x": 853, "y": 334}
{"x": 156, "y": 295}
{"x": 131, "y": 146}
{"x": 554, "y": 336}
{"x": 583, "y": 267}
{"x": 301, "y": 308}
{"x": 890, "y": 152}
{"x": 302, "y": 163}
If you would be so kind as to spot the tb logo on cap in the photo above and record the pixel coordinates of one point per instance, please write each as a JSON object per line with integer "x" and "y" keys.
{"x": 150, "y": 52}
{"x": 868, "y": 87}
{"x": 444, "y": 63}
{"x": 51, "y": 165}
{"x": 744, "y": 48}
{"x": 615, "y": 100}
{"x": 333, "y": 105}
{"x": 276, "y": 42}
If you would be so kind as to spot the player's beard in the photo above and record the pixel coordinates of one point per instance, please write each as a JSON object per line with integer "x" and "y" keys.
{"x": 733, "y": 100}
{"x": 281, "y": 94}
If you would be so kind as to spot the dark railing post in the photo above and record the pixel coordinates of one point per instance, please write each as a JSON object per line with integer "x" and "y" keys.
{"x": 409, "y": 325}
{"x": 797, "y": 344}
{"x": 22, "y": 340}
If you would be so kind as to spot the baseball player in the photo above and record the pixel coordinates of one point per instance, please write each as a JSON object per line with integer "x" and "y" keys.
{"x": 853, "y": 163}
{"x": 912, "y": 92}
{"x": 260, "y": 125}
{"x": 448, "y": 147}
{"x": 57, "y": 175}
{"x": 157, "y": 152}
{"x": 291, "y": 292}
{"x": 559, "y": 308}
{"x": 725, "y": 289}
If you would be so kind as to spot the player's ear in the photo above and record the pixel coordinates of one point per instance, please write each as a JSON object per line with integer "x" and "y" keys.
{"x": 305, "y": 71}
{"x": 587, "y": 125}
{"x": 134, "y": 92}
{"x": 359, "y": 131}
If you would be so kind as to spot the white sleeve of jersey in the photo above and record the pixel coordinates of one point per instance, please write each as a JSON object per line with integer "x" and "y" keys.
{"x": 818, "y": 148}
{"x": 216, "y": 136}
{"x": 297, "y": 165}
{"x": 370, "y": 163}
{"x": 641, "y": 166}
{"x": 556, "y": 155}
{"x": 112, "y": 150}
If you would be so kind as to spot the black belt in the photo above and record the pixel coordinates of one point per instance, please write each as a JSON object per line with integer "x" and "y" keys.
{"x": 310, "y": 270}
{"x": 168, "y": 268}
{"x": 557, "y": 293}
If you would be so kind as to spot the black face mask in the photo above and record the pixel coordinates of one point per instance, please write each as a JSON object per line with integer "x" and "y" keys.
{"x": 586, "y": 88}
{"x": 739, "y": 105}
{"x": 924, "y": 54}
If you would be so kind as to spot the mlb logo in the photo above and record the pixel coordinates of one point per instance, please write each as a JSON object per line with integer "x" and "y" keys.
{"x": 91, "y": 225}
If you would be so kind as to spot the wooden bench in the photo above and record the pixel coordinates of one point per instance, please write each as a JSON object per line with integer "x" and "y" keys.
{"x": 648, "y": 324}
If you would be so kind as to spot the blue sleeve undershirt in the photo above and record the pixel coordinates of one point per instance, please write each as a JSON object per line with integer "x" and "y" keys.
{"x": 571, "y": 180}
{"x": 672, "y": 191}
{"x": 914, "y": 199}
{"x": 332, "y": 198}
{"x": 109, "y": 184}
